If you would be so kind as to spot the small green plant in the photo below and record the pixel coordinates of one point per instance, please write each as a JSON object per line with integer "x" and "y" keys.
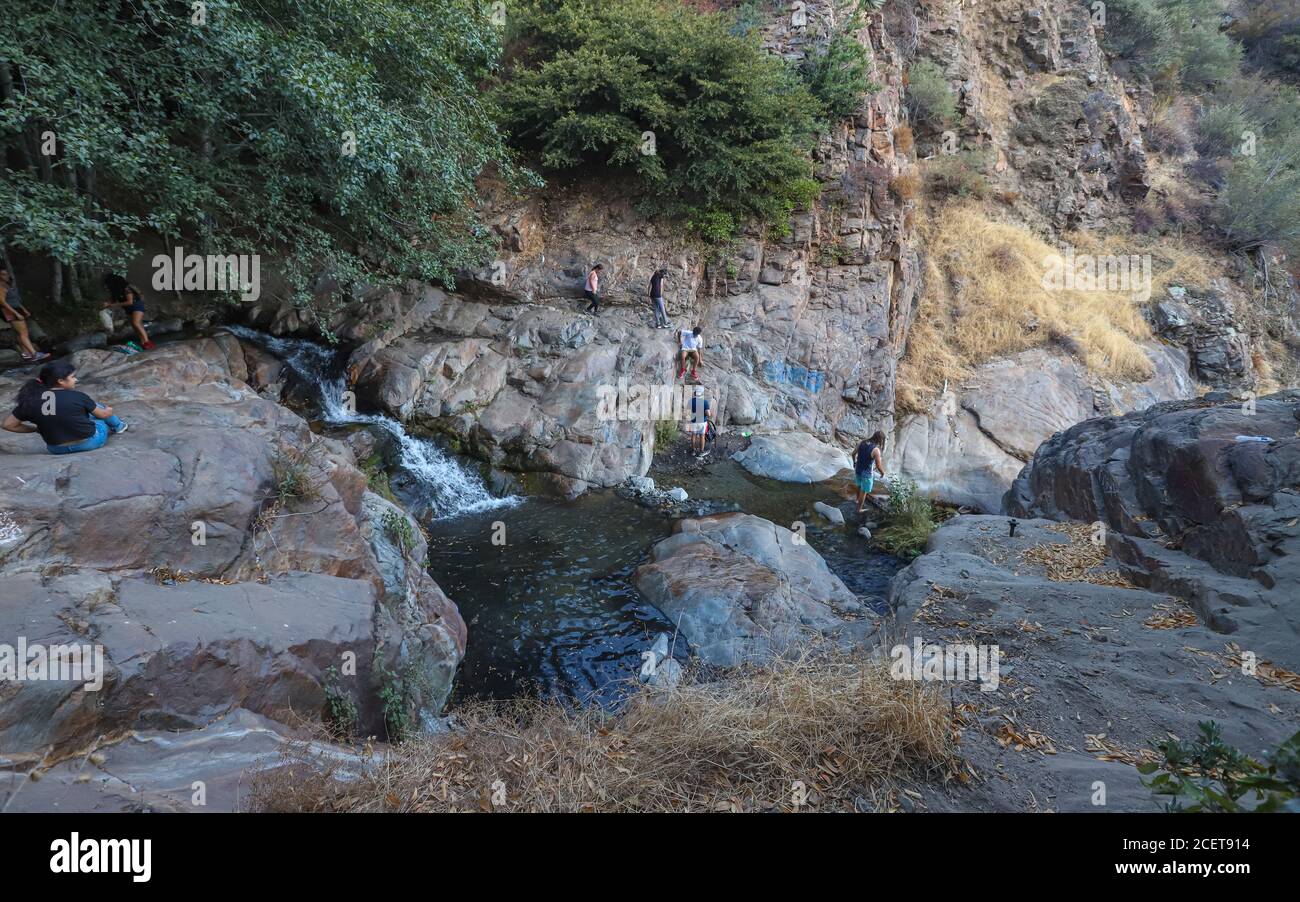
{"x": 957, "y": 175}
{"x": 340, "y": 709}
{"x": 393, "y": 697}
{"x": 909, "y": 519}
{"x": 377, "y": 479}
{"x": 666, "y": 434}
{"x": 291, "y": 479}
{"x": 929, "y": 98}
{"x": 1174, "y": 42}
{"x": 667, "y": 97}
{"x": 398, "y": 528}
{"x": 1206, "y": 774}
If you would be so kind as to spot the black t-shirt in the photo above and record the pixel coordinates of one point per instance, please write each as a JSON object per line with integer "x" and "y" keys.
{"x": 864, "y": 462}
{"x": 70, "y": 421}
{"x": 657, "y": 285}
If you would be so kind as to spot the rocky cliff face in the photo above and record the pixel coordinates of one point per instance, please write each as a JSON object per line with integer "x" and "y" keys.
{"x": 801, "y": 333}
{"x": 1061, "y": 131}
{"x": 804, "y": 333}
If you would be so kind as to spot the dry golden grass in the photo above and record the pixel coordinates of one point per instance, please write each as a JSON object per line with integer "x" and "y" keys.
{"x": 904, "y": 141}
{"x": 984, "y": 297}
{"x": 907, "y": 184}
{"x": 833, "y": 721}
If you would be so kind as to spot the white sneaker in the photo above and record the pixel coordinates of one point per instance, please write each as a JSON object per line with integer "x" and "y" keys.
{"x": 125, "y": 426}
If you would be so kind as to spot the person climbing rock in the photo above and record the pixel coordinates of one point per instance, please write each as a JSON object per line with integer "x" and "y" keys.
{"x": 16, "y": 315}
{"x": 68, "y": 421}
{"x": 691, "y": 344}
{"x": 698, "y": 428}
{"x": 657, "y": 298}
{"x": 867, "y": 455}
{"x": 122, "y": 293}
{"x": 591, "y": 290}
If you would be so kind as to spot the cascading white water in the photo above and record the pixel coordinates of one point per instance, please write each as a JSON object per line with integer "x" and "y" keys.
{"x": 450, "y": 489}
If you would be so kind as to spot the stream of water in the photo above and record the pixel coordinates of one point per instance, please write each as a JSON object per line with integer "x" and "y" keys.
{"x": 552, "y": 611}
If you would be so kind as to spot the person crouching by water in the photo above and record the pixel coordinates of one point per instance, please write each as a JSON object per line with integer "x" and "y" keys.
{"x": 122, "y": 293}
{"x": 68, "y": 420}
{"x": 868, "y": 453}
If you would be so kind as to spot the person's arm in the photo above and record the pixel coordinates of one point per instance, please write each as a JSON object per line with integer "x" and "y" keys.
{"x": 880, "y": 463}
{"x": 101, "y": 412}
{"x": 13, "y": 424}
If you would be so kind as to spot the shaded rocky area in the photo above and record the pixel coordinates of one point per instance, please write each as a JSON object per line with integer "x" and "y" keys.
{"x": 1093, "y": 672}
{"x": 174, "y": 550}
{"x": 1199, "y": 499}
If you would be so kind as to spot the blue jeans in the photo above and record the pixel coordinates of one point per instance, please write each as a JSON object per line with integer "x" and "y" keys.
{"x": 95, "y": 441}
{"x": 661, "y": 313}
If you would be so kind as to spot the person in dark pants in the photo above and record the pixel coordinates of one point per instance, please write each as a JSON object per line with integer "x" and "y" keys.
{"x": 69, "y": 421}
{"x": 122, "y": 293}
{"x": 657, "y": 297}
{"x": 592, "y": 289}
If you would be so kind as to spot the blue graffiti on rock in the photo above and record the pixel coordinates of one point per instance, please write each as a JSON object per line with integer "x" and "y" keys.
{"x": 792, "y": 374}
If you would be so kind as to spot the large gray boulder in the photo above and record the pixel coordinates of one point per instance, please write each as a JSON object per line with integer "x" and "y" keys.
{"x": 169, "y": 550}
{"x": 975, "y": 438}
{"x": 1188, "y": 508}
{"x": 741, "y": 588}
{"x": 793, "y": 457}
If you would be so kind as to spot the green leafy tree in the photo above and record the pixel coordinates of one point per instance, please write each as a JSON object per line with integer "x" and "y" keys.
{"x": 1174, "y": 42}
{"x": 929, "y": 98}
{"x": 730, "y": 125}
{"x": 839, "y": 74}
{"x": 341, "y": 138}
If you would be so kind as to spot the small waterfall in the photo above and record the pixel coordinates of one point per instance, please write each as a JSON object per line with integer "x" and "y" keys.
{"x": 449, "y": 488}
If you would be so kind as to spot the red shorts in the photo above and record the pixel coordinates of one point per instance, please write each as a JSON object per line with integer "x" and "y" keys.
{"x": 9, "y": 316}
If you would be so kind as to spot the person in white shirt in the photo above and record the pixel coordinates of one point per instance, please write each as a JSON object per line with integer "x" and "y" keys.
{"x": 591, "y": 291}
{"x": 691, "y": 345}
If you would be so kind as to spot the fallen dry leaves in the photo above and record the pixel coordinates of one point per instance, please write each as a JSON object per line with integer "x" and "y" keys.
{"x": 1075, "y": 561}
{"x": 1097, "y": 742}
{"x": 1171, "y": 616}
{"x": 1266, "y": 672}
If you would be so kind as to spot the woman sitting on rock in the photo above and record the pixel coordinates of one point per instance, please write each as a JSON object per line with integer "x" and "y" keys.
{"x": 68, "y": 420}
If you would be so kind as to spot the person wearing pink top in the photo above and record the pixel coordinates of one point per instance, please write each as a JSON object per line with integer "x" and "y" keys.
{"x": 592, "y": 289}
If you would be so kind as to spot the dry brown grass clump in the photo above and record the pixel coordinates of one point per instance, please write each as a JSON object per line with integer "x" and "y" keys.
{"x": 984, "y": 297}
{"x": 907, "y": 184}
{"x": 904, "y": 140}
{"x": 834, "y": 722}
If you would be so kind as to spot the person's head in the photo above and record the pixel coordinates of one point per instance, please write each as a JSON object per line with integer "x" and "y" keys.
{"x": 59, "y": 374}
{"x": 118, "y": 287}
{"x": 699, "y": 391}
{"x": 878, "y": 439}
{"x": 696, "y": 331}
{"x": 598, "y": 267}
{"x": 662, "y": 271}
